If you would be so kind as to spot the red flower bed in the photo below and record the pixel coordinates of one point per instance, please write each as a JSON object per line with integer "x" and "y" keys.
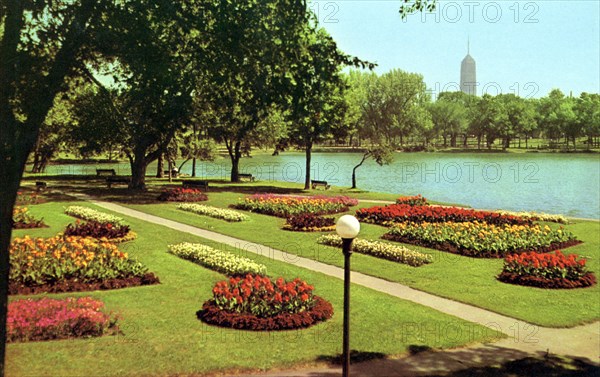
{"x": 417, "y": 200}
{"x": 309, "y": 222}
{"x": 384, "y": 215}
{"x": 47, "y": 319}
{"x": 97, "y": 230}
{"x": 257, "y": 303}
{"x": 547, "y": 270}
{"x": 182, "y": 195}
{"x": 28, "y": 198}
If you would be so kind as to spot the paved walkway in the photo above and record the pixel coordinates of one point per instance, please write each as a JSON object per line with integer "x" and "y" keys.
{"x": 524, "y": 338}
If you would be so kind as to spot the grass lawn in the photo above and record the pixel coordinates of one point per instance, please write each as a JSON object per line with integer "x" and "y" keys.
{"x": 460, "y": 278}
{"x": 162, "y": 335}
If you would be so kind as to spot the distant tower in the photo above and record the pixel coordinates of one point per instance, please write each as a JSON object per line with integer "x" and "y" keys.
{"x": 468, "y": 77}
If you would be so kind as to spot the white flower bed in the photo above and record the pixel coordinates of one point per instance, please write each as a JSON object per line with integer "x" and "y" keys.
{"x": 382, "y": 250}
{"x": 218, "y": 213}
{"x": 537, "y": 216}
{"x": 217, "y": 260}
{"x": 86, "y": 213}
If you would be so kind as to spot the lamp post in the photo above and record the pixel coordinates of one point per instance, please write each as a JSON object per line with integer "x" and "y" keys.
{"x": 347, "y": 227}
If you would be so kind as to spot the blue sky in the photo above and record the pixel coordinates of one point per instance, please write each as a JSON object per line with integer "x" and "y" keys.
{"x": 522, "y": 47}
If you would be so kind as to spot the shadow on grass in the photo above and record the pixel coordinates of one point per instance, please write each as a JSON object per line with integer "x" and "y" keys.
{"x": 489, "y": 361}
{"x": 355, "y": 357}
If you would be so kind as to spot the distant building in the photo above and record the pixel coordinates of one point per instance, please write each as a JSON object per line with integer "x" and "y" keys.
{"x": 468, "y": 76}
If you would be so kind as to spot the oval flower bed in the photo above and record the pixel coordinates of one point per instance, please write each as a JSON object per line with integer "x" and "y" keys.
{"x": 217, "y": 260}
{"x": 417, "y": 200}
{"x": 478, "y": 239}
{"x": 547, "y": 270}
{"x": 22, "y": 219}
{"x": 285, "y": 206}
{"x": 258, "y": 303}
{"x": 309, "y": 222}
{"x": 66, "y": 264}
{"x": 47, "y": 319}
{"x": 86, "y": 213}
{"x": 94, "y": 229}
{"x": 396, "y": 213}
{"x": 382, "y": 250}
{"x": 181, "y": 194}
{"x": 217, "y": 213}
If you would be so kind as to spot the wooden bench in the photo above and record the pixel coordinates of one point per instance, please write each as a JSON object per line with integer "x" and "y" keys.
{"x": 105, "y": 172}
{"x": 249, "y": 177}
{"x": 189, "y": 183}
{"x": 315, "y": 184}
{"x": 113, "y": 180}
{"x": 39, "y": 185}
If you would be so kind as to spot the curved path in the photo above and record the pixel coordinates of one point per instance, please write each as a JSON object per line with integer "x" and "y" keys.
{"x": 523, "y": 338}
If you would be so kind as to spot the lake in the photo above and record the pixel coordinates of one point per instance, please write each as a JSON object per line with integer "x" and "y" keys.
{"x": 568, "y": 184}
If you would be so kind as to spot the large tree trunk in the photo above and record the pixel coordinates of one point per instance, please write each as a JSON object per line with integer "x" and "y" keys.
{"x": 138, "y": 170}
{"x": 453, "y": 140}
{"x": 309, "y": 146}
{"x": 235, "y": 154}
{"x": 160, "y": 167}
{"x": 193, "y": 167}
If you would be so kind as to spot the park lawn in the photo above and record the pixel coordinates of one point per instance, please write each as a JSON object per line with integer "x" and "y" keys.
{"x": 457, "y": 277}
{"x": 162, "y": 335}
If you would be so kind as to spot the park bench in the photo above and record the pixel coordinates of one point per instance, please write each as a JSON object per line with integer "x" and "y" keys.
{"x": 188, "y": 183}
{"x": 174, "y": 173}
{"x": 315, "y": 184}
{"x": 249, "y": 177}
{"x": 40, "y": 185}
{"x": 113, "y": 180}
{"x": 105, "y": 172}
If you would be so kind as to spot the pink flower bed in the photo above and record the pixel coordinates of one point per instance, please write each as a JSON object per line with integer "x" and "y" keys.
{"x": 47, "y": 319}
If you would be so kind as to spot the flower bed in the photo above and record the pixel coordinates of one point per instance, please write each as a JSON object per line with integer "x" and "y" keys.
{"x": 217, "y": 213}
{"x": 535, "y": 216}
{"x": 309, "y": 222}
{"x": 396, "y": 213}
{"x": 90, "y": 214}
{"x": 22, "y": 219}
{"x": 258, "y": 303}
{"x": 64, "y": 264}
{"x": 285, "y": 206}
{"x": 182, "y": 195}
{"x": 25, "y": 198}
{"x": 94, "y": 229}
{"x": 382, "y": 250}
{"x": 477, "y": 239}
{"x": 547, "y": 270}
{"x": 47, "y": 319}
{"x": 217, "y": 260}
{"x": 417, "y": 200}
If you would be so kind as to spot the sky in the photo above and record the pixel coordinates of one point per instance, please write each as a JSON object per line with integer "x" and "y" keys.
{"x": 522, "y": 47}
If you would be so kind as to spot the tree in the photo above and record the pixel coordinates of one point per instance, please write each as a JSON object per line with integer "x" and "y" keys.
{"x": 555, "y": 111}
{"x": 587, "y": 110}
{"x": 449, "y": 118}
{"x": 253, "y": 43}
{"x": 53, "y": 135}
{"x": 382, "y": 154}
{"x": 521, "y": 117}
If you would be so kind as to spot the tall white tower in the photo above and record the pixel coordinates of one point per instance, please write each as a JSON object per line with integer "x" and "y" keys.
{"x": 468, "y": 76}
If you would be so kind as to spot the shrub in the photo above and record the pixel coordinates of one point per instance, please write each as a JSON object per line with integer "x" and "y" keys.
{"x": 45, "y": 262}
{"x": 217, "y": 260}
{"x": 478, "y": 239}
{"x": 382, "y": 250}
{"x": 22, "y": 219}
{"x": 86, "y": 213}
{"x": 395, "y": 213}
{"x": 217, "y": 213}
{"x": 288, "y": 205}
{"x": 309, "y": 222}
{"x": 259, "y": 303}
{"x": 412, "y": 200}
{"x": 97, "y": 230}
{"x": 547, "y": 270}
{"x": 182, "y": 195}
{"x": 47, "y": 319}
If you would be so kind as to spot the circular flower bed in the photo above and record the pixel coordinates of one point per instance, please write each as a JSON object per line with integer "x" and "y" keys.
{"x": 258, "y": 303}
{"x": 182, "y": 195}
{"x": 547, "y": 271}
{"x": 309, "y": 222}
